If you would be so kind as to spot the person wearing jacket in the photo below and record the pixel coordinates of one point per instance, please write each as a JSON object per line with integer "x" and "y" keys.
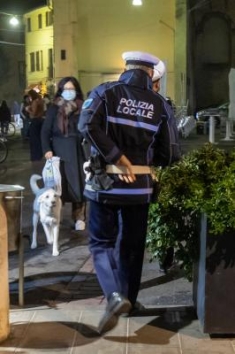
{"x": 25, "y": 116}
{"x": 130, "y": 128}
{"x": 35, "y": 110}
{"x": 159, "y": 70}
{"x": 16, "y": 113}
{"x": 5, "y": 118}
{"x": 61, "y": 138}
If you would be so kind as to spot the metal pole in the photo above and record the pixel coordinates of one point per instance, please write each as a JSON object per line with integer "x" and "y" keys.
{"x": 21, "y": 259}
{"x": 21, "y": 270}
{"x": 228, "y": 131}
{"x": 212, "y": 129}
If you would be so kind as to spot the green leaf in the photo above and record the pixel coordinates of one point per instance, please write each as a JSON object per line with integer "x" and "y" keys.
{"x": 203, "y": 181}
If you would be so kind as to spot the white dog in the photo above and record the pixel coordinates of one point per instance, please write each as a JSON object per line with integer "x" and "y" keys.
{"x": 47, "y": 209}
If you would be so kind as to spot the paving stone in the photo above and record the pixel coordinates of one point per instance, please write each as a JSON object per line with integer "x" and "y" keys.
{"x": 64, "y": 302}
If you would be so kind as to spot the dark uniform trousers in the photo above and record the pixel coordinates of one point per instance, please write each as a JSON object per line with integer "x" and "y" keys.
{"x": 117, "y": 243}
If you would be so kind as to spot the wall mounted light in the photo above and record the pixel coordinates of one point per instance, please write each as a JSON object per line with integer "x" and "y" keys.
{"x": 137, "y": 2}
{"x": 14, "y": 21}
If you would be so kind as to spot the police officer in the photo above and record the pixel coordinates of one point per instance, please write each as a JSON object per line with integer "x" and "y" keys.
{"x": 130, "y": 129}
{"x": 159, "y": 71}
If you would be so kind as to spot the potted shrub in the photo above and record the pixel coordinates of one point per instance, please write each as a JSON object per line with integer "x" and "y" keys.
{"x": 195, "y": 214}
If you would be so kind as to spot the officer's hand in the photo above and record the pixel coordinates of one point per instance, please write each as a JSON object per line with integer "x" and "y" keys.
{"x": 130, "y": 177}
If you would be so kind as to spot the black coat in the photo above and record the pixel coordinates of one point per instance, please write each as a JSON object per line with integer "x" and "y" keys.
{"x": 5, "y": 114}
{"x": 70, "y": 151}
{"x": 127, "y": 117}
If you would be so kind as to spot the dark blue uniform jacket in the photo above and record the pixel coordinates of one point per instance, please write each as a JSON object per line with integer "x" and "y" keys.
{"x": 127, "y": 117}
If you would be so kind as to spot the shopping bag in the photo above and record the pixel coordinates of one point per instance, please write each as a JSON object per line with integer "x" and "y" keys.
{"x": 51, "y": 174}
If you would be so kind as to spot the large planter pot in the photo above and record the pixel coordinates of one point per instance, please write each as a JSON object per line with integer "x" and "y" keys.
{"x": 214, "y": 282}
{"x": 4, "y": 286}
{"x": 11, "y": 199}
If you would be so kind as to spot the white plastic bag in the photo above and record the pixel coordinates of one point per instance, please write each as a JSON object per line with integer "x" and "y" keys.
{"x": 51, "y": 174}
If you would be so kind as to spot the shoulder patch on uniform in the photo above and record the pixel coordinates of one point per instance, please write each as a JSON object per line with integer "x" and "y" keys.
{"x": 87, "y": 103}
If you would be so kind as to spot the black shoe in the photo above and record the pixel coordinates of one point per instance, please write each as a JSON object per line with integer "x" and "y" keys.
{"x": 164, "y": 268}
{"x": 117, "y": 304}
{"x": 168, "y": 261}
{"x": 136, "y": 309}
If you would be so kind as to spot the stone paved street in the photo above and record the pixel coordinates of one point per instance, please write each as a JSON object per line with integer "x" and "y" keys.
{"x": 63, "y": 301}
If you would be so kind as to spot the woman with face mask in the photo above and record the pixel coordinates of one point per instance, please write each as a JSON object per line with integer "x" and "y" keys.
{"x": 61, "y": 138}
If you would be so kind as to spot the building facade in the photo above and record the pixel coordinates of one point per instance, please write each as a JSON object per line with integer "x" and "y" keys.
{"x": 211, "y": 51}
{"x": 90, "y": 36}
{"x": 39, "y": 51}
{"x": 85, "y": 38}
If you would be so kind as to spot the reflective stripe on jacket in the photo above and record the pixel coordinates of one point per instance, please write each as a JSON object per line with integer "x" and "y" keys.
{"x": 127, "y": 117}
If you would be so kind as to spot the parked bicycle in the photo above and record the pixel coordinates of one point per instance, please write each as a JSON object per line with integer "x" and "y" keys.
{"x": 8, "y": 130}
{"x": 3, "y": 150}
{"x": 11, "y": 129}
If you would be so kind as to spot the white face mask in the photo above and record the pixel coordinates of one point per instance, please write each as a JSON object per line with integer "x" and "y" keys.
{"x": 69, "y": 95}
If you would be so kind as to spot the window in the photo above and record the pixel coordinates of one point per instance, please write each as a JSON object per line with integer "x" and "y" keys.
{"x": 36, "y": 61}
{"x": 40, "y": 21}
{"x": 50, "y": 63}
{"x": 63, "y": 54}
{"x": 29, "y": 24}
{"x": 49, "y": 20}
{"x": 32, "y": 62}
{"x": 41, "y": 59}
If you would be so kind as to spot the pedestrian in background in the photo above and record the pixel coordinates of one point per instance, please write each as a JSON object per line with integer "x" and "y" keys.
{"x": 5, "y": 118}
{"x": 24, "y": 114}
{"x": 16, "y": 113}
{"x": 130, "y": 128}
{"x": 47, "y": 102}
{"x": 35, "y": 110}
{"x": 61, "y": 138}
{"x": 159, "y": 70}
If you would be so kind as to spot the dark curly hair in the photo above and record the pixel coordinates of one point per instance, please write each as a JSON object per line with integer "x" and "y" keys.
{"x": 76, "y": 84}
{"x": 33, "y": 94}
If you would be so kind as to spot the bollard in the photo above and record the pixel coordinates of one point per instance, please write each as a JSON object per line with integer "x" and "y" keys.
{"x": 11, "y": 197}
{"x": 228, "y": 131}
{"x": 212, "y": 129}
{"x": 4, "y": 286}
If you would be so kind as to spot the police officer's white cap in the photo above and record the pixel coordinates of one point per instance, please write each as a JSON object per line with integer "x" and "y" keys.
{"x": 159, "y": 71}
{"x": 140, "y": 58}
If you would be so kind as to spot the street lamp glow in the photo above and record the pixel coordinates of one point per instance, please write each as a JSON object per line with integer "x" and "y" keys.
{"x": 14, "y": 21}
{"x": 137, "y": 2}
